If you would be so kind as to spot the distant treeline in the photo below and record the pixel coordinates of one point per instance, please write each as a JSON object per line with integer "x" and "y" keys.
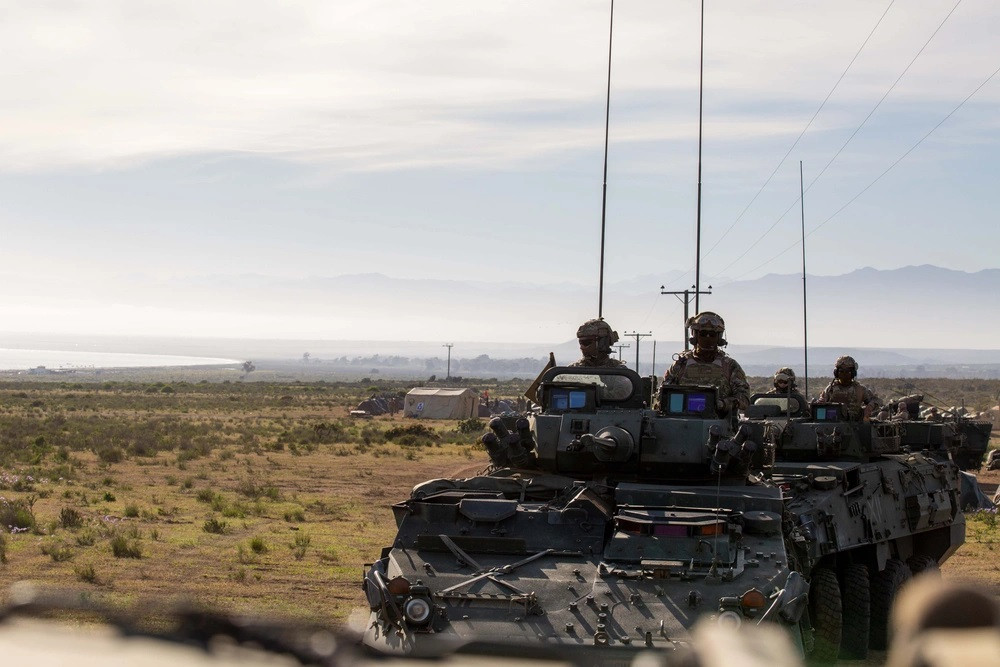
{"x": 486, "y": 366}
{"x": 483, "y": 364}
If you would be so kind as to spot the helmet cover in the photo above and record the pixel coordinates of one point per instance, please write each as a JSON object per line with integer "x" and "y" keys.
{"x": 846, "y": 362}
{"x": 598, "y": 329}
{"x": 706, "y": 320}
{"x": 787, "y": 372}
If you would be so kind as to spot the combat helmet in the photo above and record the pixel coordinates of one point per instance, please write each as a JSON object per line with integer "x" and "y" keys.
{"x": 785, "y": 373}
{"x": 707, "y": 320}
{"x": 602, "y": 331}
{"x": 846, "y": 361}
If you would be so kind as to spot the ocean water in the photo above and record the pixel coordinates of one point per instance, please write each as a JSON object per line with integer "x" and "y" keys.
{"x": 54, "y": 360}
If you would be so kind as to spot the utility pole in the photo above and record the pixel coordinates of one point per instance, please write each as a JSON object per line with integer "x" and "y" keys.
{"x": 449, "y": 346}
{"x": 619, "y": 347}
{"x": 686, "y": 300}
{"x": 637, "y": 336}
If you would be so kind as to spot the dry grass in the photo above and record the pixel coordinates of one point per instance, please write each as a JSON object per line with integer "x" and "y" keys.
{"x": 315, "y": 520}
{"x": 254, "y": 499}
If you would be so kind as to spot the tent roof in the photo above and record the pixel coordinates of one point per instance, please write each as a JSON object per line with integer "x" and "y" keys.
{"x": 430, "y": 391}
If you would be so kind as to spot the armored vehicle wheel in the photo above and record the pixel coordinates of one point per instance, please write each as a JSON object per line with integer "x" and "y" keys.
{"x": 885, "y": 585}
{"x": 923, "y": 565}
{"x": 855, "y": 594}
{"x": 826, "y": 614}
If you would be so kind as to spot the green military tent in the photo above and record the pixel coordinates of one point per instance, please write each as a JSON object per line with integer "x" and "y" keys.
{"x": 430, "y": 403}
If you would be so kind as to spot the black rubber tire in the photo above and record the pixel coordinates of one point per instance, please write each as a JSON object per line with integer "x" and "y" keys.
{"x": 885, "y": 585}
{"x": 855, "y": 594}
{"x": 826, "y": 614}
{"x": 923, "y": 565}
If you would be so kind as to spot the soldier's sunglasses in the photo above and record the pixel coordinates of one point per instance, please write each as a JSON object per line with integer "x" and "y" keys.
{"x": 707, "y": 333}
{"x": 589, "y": 340}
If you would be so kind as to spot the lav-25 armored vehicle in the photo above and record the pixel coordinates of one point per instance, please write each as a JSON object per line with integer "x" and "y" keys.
{"x": 609, "y": 527}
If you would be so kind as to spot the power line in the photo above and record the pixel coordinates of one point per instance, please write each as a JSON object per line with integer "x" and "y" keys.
{"x": 686, "y": 301}
{"x": 637, "y": 336}
{"x": 804, "y": 129}
{"x": 887, "y": 92}
{"x": 849, "y": 139}
{"x": 879, "y": 177}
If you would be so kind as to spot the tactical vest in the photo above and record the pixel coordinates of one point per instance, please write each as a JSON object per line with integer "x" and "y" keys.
{"x": 852, "y": 395}
{"x": 688, "y": 370}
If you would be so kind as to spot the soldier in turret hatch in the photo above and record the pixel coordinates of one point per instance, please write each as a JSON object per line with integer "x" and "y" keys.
{"x": 784, "y": 385}
{"x": 596, "y": 338}
{"x": 859, "y": 399}
{"x": 706, "y": 364}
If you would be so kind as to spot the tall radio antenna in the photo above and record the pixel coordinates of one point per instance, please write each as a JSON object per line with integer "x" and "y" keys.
{"x": 805, "y": 328}
{"x": 604, "y": 195}
{"x": 701, "y": 87}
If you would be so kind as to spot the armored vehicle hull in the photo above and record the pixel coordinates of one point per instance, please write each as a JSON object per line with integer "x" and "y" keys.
{"x": 608, "y": 524}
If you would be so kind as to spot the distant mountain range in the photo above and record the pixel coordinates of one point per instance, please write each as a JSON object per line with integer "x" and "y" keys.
{"x": 915, "y": 318}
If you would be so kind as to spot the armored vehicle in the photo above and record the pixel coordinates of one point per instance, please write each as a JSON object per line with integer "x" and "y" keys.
{"x": 609, "y": 526}
{"x": 965, "y": 437}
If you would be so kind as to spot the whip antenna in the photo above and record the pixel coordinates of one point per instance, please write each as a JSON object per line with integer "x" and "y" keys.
{"x": 701, "y": 86}
{"x": 604, "y": 195}
{"x": 805, "y": 328}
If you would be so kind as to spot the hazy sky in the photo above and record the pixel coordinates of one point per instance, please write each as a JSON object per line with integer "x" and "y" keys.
{"x": 176, "y": 141}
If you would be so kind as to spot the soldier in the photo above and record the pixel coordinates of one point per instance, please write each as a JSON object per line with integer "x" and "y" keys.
{"x": 784, "y": 385}
{"x": 859, "y": 399}
{"x": 596, "y": 338}
{"x": 709, "y": 365}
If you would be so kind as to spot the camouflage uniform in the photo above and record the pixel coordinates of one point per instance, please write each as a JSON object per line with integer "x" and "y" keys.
{"x": 599, "y": 355}
{"x": 856, "y": 397}
{"x": 790, "y": 392}
{"x": 723, "y": 372}
{"x": 853, "y": 395}
{"x": 599, "y": 362}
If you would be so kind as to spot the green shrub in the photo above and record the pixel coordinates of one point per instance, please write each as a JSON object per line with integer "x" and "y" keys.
{"x": 205, "y": 495}
{"x": 296, "y": 514}
{"x": 122, "y": 547}
{"x": 86, "y": 573}
{"x": 70, "y": 518}
{"x": 471, "y": 425}
{"x": 86, "y": 538}
{"x": 299, "y": 546}
{"x": 252, "y": 489}
{"x": 111, "y": 454}
{"x": 59, "y": 552}
{"x": 234, "y": 510}
{"x": 258, "y": 545}
{"x": 215, "y": 526}
{"x": 17, "y": 515}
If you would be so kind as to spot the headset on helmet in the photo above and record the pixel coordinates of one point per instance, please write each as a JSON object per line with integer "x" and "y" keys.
{"x": 707, "y": 320}
{"x": 847, "y": 361}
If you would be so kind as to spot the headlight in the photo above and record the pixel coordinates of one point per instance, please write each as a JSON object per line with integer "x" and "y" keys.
{"x": 417, "y": 611}
{"x": 752, "y": 601}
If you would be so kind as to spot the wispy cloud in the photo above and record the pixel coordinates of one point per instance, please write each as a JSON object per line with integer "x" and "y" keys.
{"x": 367, "y": 85}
